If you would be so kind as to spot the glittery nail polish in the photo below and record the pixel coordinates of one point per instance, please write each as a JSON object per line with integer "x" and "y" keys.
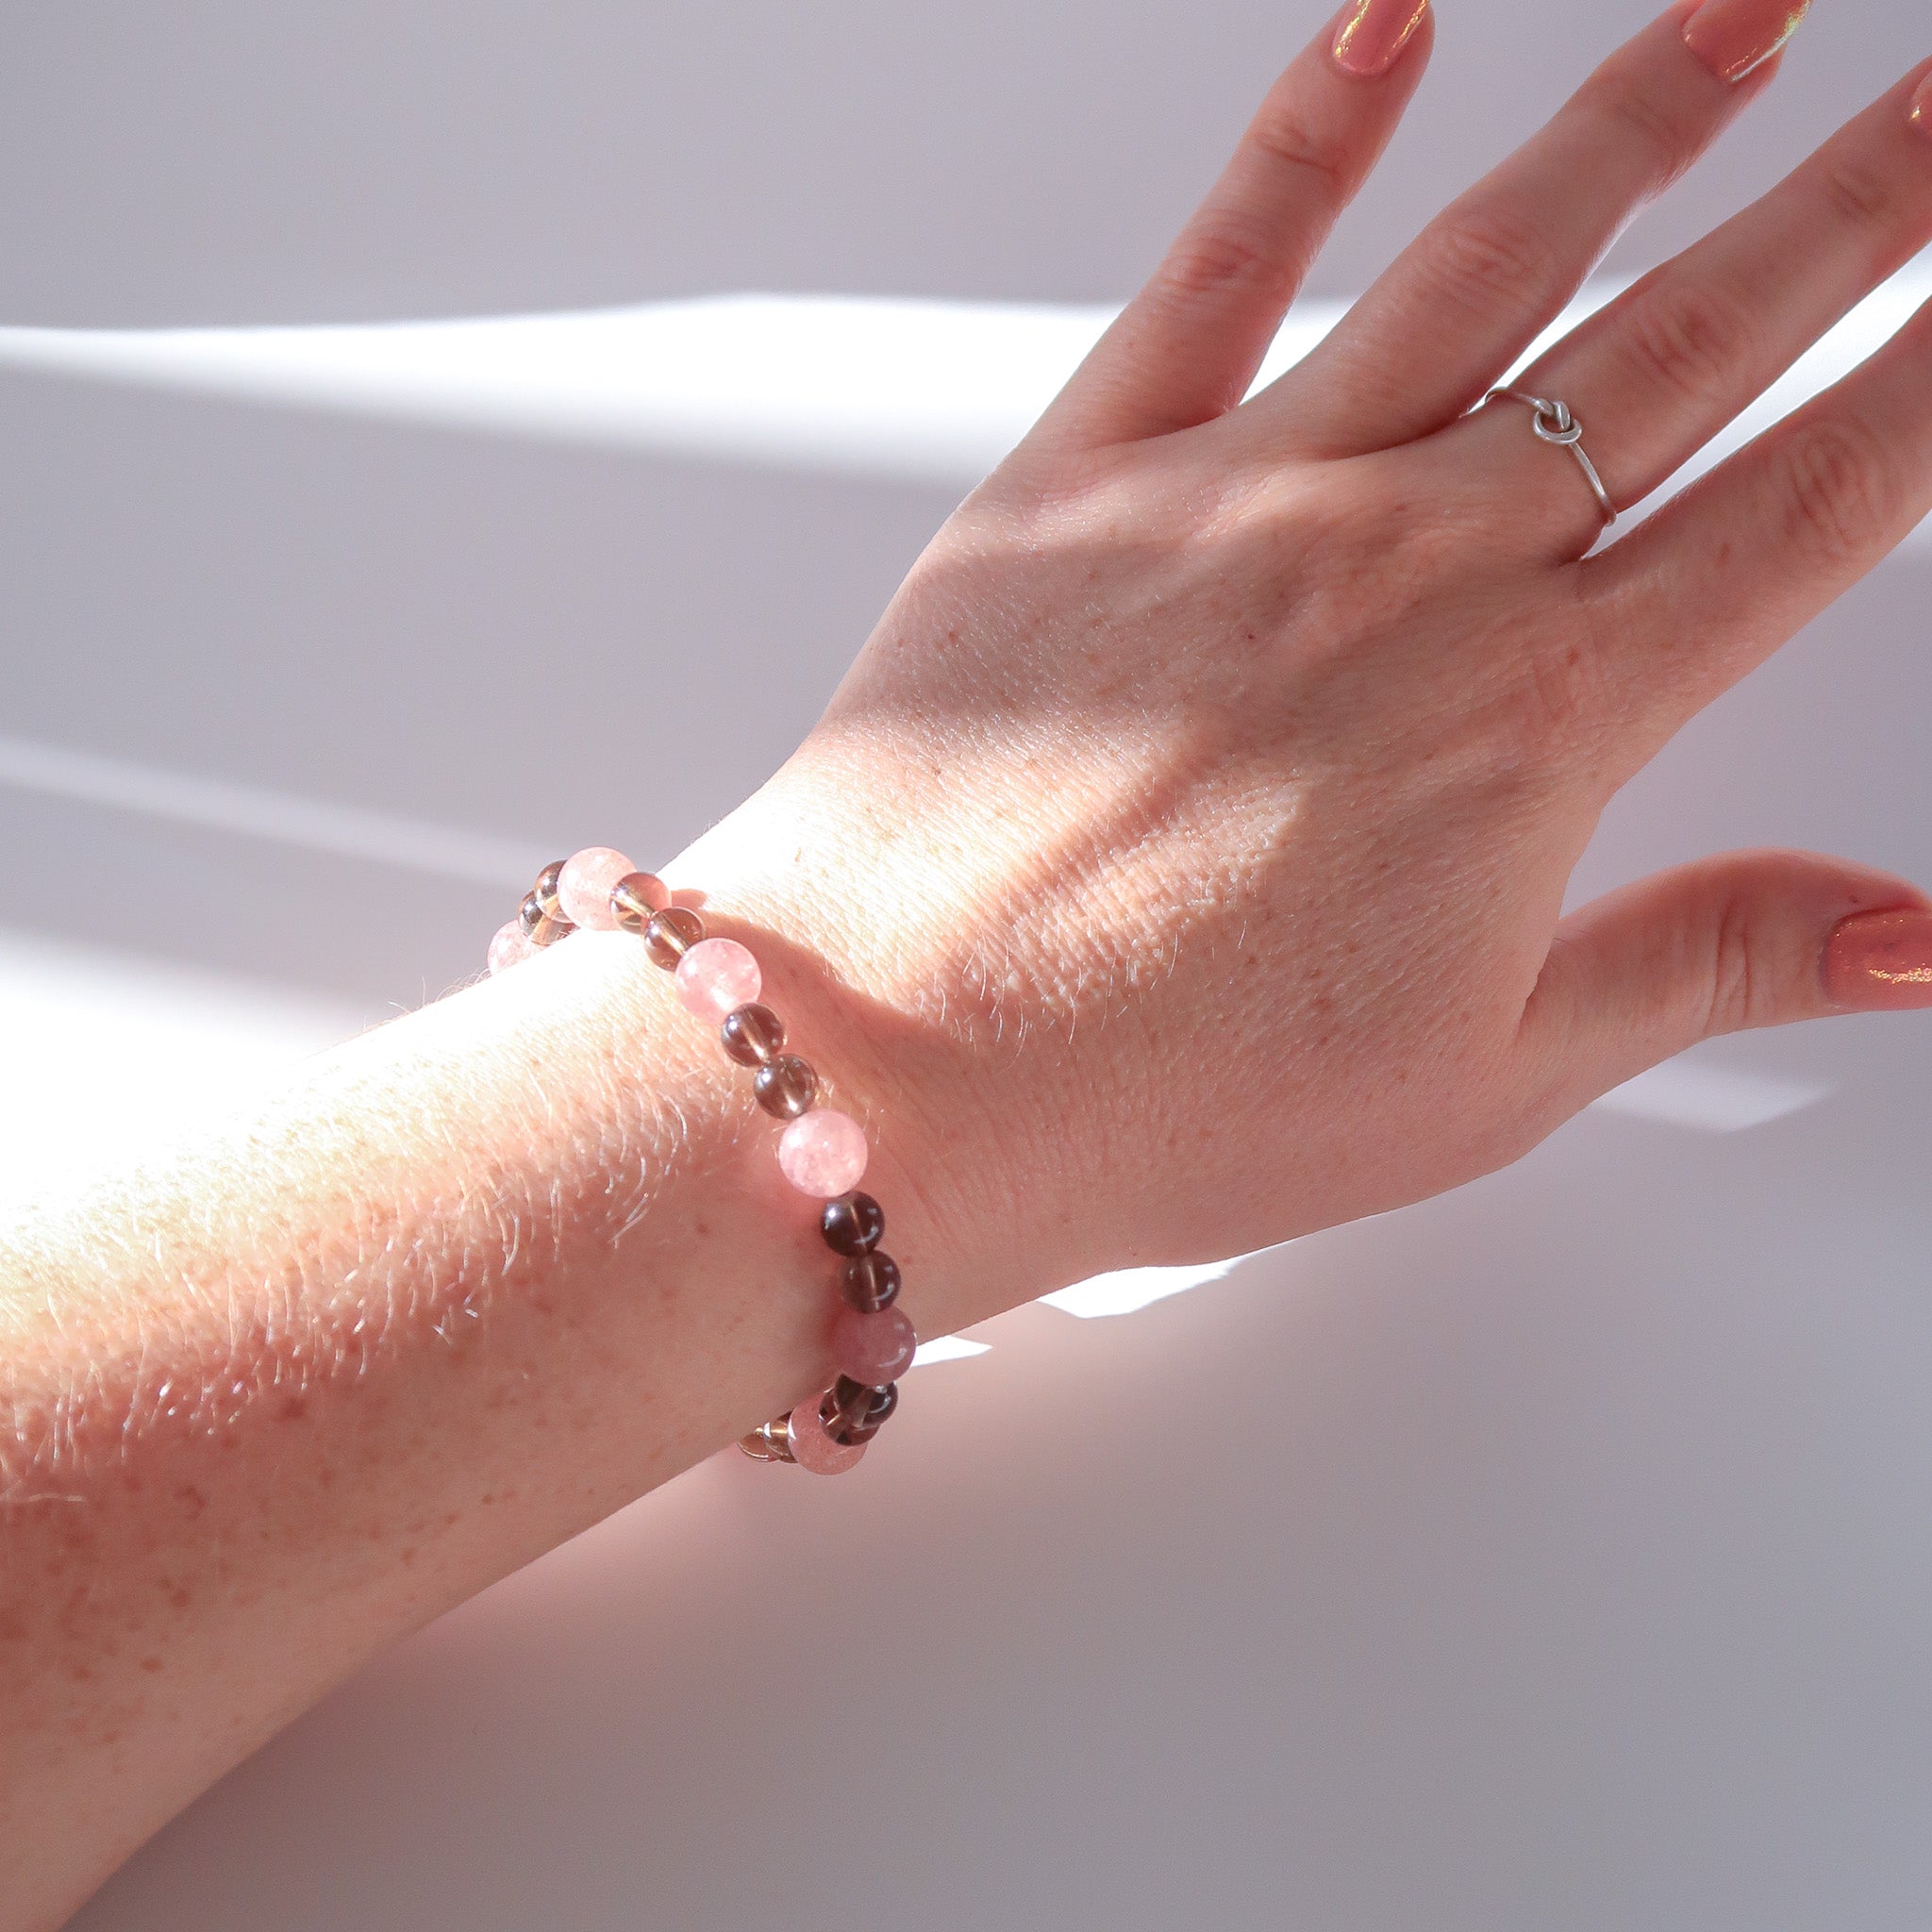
{"x": 1373, "y": 34}
{"x": 1733, "y": 36}
{"x": 1879, "y": 961}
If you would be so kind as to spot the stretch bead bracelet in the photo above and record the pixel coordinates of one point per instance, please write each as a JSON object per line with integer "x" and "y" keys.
{"x": 821, "y": 1152}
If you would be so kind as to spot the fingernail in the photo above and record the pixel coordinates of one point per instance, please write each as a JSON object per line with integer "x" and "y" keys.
{"x": 1731, "y": 37}
{"x": 1922, "y": 108}
{"x": 1875, "y": 961}
{"x": 1374, "y": 33}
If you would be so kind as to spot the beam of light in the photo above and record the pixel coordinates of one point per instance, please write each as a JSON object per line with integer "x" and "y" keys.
{"x": 946, "y": 1348}
{"x": 923, "y": 392}
{"x": 124, "y": 1055}
{"x": 256, "y": 812}
{"x": 1128, "y": 1289}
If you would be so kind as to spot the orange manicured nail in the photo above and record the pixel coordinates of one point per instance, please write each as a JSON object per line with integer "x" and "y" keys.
{"x": 1922, "y": 108}
{"x": 1875, "y": 960}
{"x": 1731, "y": 37}
{"x": 1374, "y": 33}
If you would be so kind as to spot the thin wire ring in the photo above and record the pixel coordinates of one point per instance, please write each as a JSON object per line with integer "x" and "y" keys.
{"x": 1553, "y": 423}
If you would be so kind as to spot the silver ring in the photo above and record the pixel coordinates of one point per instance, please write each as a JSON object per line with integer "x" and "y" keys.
{"x": 1553, "y": 423}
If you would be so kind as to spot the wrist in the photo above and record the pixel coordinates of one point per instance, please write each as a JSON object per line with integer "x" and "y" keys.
{"x": 859, "y": 967}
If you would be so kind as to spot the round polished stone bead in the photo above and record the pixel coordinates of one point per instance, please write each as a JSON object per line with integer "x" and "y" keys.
{"x": 870, "y": 1281}
{"x": 786, "y": 1087}
{"x": 813, "y": 1448}
{"x": 511, "y": 944}
{"x": 715, "y": 976}
{"x": 752, "y": 1035}
{"x": 583, "y": 886}
{"x": 545, "y": 890}
{"x": 635, "y": 897}
{"x": 822, "y": 1153}
{"x": 540, "y": 927}
{"x": 875, "y": 1348}
{"x": 852, "y": 1224}
{"x": 670, "y": 934}
{"x": 854, "y": 1413}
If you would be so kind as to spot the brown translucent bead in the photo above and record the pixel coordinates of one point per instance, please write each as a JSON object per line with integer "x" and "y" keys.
{"x": 635, "y": 897}
{"x": 844, "y": 1402}
{"x": 671, "y": 934}
{"x": 540, "y": 926}
{"x": 854, "y": 1413}
{"x": 786, "y": 1087}
{"x": 545, "y": 890}
{"x": 852, "y": 1224}
{"x": 884, "y": 1401}
{"x": 752, "y": 1035}
{"x": 871, "y": 1282}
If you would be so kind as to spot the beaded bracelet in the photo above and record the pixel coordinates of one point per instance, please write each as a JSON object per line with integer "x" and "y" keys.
{"x": 821, "y": 1152}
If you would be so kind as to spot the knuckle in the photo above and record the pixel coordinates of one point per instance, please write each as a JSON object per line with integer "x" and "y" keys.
{"x": 1479, "y": 255}
{"x": 1638, "y": 119}
{"x": 1221, "y": 255}
{"x": 1840, "y": 491}
{"x": 1282, "y": 137}
{"x": 1738, "y": 985}
{"x": 1857, "y": 194}
{"x": 1690, "y": 339}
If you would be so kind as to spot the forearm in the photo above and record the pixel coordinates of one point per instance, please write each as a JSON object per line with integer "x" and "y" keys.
{"x": 472, "y": 1282}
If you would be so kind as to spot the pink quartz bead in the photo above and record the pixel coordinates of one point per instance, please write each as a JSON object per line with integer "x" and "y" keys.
{"x": 583, "y": 888}
{"x": 812, "y": 1448}
{"x": 511, "y": 944}
{"x": 717, "y": 976}
{"x": 874, "y": 1349}
{"x": 822, "y": 1153}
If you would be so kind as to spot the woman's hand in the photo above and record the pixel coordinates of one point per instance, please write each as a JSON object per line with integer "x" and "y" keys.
{"x": 1206, "y": 800}
{"x": 1187, "y": 847}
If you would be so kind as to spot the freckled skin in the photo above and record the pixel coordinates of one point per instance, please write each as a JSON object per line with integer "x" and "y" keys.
{"x": 1179, "y": 869}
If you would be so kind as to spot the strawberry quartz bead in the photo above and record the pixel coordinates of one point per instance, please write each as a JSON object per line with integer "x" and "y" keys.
{"x": 822, "y": 1153}
{"x": 511, "y": 944}
{"x": 583, "y": 886}
{"x": 874, "y": 1349}
{"x": 813, "y": 1448}
{"x": 715, "y": 976}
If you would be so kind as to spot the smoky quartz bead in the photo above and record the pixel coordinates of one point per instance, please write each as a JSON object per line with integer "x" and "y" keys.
{"x": 871, "y": 1282}
{"x": 635, "y": 897}
{"x": 786, "y": 1087}
{"x": 545, "y": 892}
{"x": 752, "y": 1035}
{"x": 671, "y": 934}
{"x": 853, "y": 1412}
{"x": 541, "y": 928}
{"x": 879, "y": 1411}
{"x": 852, "y": 1224}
